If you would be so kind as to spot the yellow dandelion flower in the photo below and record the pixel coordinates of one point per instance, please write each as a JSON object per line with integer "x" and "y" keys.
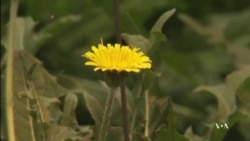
{"x": 117, "y": 58}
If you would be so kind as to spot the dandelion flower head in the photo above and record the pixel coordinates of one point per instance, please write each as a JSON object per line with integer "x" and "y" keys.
{"x": 117, "y": 58}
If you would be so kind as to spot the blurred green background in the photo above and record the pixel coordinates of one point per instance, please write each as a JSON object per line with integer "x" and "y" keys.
{"x": 92, "y": 20}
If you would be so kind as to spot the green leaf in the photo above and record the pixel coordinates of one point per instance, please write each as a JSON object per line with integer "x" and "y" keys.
{"x": 69, "y": 115}
{"x": 154, "y": 40}
{"x": 226, "y": 101}
{"x": 243, "y": 96}
{"x": 156, "y": 34}
{"x": 41, "y": 91}
{"x": 169, "y": 131}
{"x": 50, "y": 109}
{"x": 156, "y": 37}
{"x": 191, "y": 136}
{"x": 44, "y": 83}
{"x": 25, "y": 37}
{"x": 94, "y": 107}
{"x": 219, "y": 134}
{"x": 60, "y": 23}
{"x": 240, "y": 53}
{"x": 148, "y": 78}
{"x": 159, "y": 107}
{"x": 135, "y": 40}
{"x": 22, "y": 120}
{"x": 231, "y": 30}
{"x": 61, "y": 133}
{"x": 236, "y": 78}
{"x": 226, "y": 93}
{"x": 92, "y": 94}
{"x": 162, "y": 20}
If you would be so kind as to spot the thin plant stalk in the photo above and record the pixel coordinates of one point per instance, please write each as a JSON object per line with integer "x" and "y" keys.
{"x": 125, "y": 112}
{"x": 147, "y": 115}
{"x": 123, "y": 92}
{"x": 132, "y": 125}
{"x": 117, "y": 21}
{"x": 106, "y": 116}
{"x": 9, "y": 94}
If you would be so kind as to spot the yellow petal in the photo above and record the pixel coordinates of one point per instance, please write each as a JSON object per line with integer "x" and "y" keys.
{"x": 117, "y": 57}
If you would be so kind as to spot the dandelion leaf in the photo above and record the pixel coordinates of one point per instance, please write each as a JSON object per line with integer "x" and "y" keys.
{"x": 191, "y": 136}
{"x": 61, "y": 133}
{"x": 219, "y": 134}
{"x": 136, "y": 40}
{"x": 69, "y": 107}
{"x": 162, "y": 20}
{"x": 226, "y": 93}
{"x": 243, "y": 96}
{"x": 25, "y": 37}
{"x": 92, "y": 95}
{"x": 158, "y": 107}
{"x": 33, "y": 112}
{"x": 156, "y": 35}
{"x": 169, "y": 131}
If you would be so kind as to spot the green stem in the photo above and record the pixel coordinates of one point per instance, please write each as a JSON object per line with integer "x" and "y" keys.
{"x": 125, "y": 112}
{"x": 106, "y": 116}
{"x": 134, "y": 115}
{"x": 117, "y": 21}
{"x": 132, "y": 126}
{"x": 10, "y": 127}
{"x": 123, "y": 92}
{"x": 147, "y": 114}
